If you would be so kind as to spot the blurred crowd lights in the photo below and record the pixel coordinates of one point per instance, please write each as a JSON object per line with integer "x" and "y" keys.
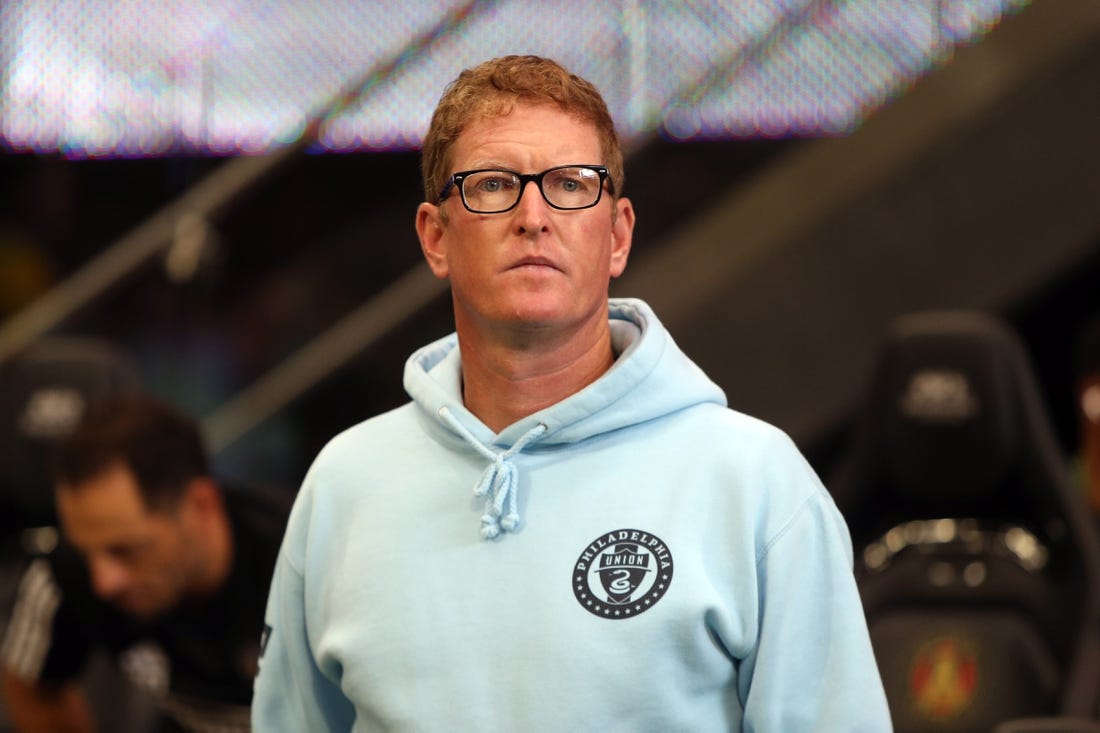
{"x": 147, "y": 78}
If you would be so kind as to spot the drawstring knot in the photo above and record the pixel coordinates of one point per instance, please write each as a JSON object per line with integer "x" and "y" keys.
{"x": 499, "y": 479}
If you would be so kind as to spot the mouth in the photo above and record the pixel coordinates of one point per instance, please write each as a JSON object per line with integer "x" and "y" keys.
{"x": 125, "y": 601}
{"x": 533, "y": 263}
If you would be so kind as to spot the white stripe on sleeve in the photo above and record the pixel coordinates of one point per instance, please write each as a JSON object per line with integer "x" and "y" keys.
{"x": 30, "y": 630}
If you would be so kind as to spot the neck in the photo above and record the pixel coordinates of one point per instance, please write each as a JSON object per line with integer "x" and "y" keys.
{"x": 219, "y": 559}
{"x": 507, "y": 379}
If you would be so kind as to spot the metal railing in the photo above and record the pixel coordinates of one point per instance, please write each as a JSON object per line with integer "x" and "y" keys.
{"x": 213, "y": 197}
{"x": 205, "y": 202}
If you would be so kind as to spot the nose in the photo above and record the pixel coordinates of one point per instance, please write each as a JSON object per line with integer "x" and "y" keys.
{"x": 531, "y": 211}
{"x": 110, "y": 578}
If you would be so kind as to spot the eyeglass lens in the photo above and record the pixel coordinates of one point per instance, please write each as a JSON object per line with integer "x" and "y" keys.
{"x": 498, "y": 190}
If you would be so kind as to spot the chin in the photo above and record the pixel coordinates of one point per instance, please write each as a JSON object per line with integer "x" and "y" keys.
{"x": 139, "y": 610}
{"x": 534, "y": 323}
{"x": 542, "y": 309}
{"x": 531, "y": 311}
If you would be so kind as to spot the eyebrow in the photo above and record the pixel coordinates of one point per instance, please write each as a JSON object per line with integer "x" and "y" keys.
{"x": 488, "y": 164}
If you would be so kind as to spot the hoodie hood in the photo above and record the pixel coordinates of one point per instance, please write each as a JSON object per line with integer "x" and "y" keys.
{"x": 650, "y": 378}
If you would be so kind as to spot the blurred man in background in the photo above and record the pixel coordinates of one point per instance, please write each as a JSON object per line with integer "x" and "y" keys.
{"x": 157, "y": 565}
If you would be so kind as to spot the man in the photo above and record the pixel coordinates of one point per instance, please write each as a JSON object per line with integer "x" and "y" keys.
{"x": 159, "y": 567}
{"x": 647, "y": 558}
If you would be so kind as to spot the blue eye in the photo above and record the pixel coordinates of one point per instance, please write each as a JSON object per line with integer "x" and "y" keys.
{"x": 565, "y": 187}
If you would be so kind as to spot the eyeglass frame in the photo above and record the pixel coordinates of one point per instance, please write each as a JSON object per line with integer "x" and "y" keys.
{"x": 455, "y": 181}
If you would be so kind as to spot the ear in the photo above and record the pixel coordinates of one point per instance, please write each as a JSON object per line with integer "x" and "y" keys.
{"x": 430, "y": 229}
{"x": 202, "y": 497}
{"x": 622, "y": 235}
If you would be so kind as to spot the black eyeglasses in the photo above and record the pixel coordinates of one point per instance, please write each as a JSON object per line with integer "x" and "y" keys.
{"x": 494, "y": 191}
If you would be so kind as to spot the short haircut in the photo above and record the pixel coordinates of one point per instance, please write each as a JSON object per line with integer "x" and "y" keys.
{"x": 492, "y": 89}
{"x": 160, "y": 445}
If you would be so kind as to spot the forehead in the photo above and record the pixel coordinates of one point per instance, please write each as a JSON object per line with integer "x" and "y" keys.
{"x": 106, "y": 509}
{"x": 527, "y": 135}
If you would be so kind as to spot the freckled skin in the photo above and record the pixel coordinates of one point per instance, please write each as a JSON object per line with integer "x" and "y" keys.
{"x": 529, "y": 285}
{"x": 533, "y": 267}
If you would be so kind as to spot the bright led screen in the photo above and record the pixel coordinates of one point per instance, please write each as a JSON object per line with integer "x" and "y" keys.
{"x": 158, "y": 77}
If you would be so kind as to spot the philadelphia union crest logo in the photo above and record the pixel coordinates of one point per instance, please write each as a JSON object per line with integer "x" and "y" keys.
{"x": 622, "y": 573}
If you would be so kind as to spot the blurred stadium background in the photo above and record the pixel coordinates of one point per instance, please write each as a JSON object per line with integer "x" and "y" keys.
{"x": 227, "y": 189}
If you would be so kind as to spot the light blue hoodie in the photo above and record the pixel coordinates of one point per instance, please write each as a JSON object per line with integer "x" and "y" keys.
{"x": 637, "y": 557}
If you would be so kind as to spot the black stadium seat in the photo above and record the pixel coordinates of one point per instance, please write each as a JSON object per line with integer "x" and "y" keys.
{"x": 977, "y": 564}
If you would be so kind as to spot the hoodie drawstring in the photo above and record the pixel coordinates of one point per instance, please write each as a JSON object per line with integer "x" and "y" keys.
{"x": 498, "y": 481}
